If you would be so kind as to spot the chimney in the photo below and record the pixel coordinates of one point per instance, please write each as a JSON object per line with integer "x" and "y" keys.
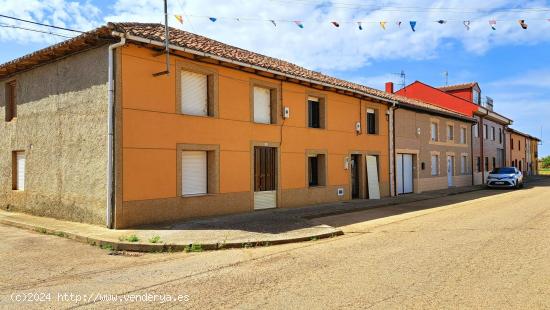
{"x": 389, "y": 87}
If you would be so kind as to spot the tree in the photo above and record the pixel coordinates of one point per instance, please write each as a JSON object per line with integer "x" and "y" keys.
{"x": 546, "y": 162}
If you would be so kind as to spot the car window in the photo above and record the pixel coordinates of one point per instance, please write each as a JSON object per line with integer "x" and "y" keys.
{"x": 503, "y": 171}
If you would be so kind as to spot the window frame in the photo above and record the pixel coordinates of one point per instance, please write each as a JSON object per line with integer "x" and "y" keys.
{"x": 15, "y": 171}
{"x": 432, "y": 131}
{"x": 213, "y": 167}
{"x": 450, "y": 132}
{"x": 322, "y": 168}
{"x": 10, "y": 100}
{"x": 212, "y": 76}
{"x": 322, "y": 102}
{"x": 275, "y": 100}
{"x": 436, "y": 165}
{"x": 376, "y": 115}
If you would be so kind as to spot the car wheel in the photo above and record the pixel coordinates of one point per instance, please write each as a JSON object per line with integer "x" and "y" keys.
{"x": 517, "y": 185}
{"x": 521, "y": 185}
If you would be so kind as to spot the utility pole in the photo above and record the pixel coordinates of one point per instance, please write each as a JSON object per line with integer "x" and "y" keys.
{"x": 166, "y": 42}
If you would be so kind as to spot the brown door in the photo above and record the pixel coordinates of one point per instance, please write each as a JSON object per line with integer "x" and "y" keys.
{"x": 265, "y": 177}
{"x": 355, "y": 175}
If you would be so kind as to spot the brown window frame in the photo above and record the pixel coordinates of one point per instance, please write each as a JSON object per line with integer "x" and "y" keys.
{"x": 321, "y": 168}
{"x": 212, "y": 91}
{"x": 376, "y": 121}
{"x": 275, "y": 100}
{"x": 11, "y": 100}
{"x": 212, "y": 162}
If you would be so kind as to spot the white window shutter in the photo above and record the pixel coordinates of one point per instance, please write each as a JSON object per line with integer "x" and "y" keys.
{"x": 20, "y": 157}
{"x": 194, "y": 173}
{"x": 434, "y": 165}
{"x": 262, "y": 105}
{"x": 194, "y": 93}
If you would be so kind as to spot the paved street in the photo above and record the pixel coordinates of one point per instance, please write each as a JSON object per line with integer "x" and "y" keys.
{"x": 453, "y": 252}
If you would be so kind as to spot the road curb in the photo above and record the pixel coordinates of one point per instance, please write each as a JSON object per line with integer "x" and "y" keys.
{"x": 117, "y": 245}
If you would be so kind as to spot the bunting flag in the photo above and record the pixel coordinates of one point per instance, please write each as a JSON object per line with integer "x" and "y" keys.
{"x": 273, "y": 22}
{"x": 383, "y": 25}
{"x": 413, "y": 25}
{"x": 212, "y": 19}
{"x": 237, "y": 19}
{"x": 336, "y": 24}
{"x": 179, "y": 18}
{"x": 467, "y": 24}
{"x": 522, "y": 23}
{"x": 441, "y": 21}
{"x": 360, "y": 25}
{"x": 398, "y": 24}
{"x": 299, "y": 24}
{"x": 493, "y": 24}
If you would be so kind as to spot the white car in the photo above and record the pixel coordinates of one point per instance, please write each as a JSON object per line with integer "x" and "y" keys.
{"x": 505, "y": 177}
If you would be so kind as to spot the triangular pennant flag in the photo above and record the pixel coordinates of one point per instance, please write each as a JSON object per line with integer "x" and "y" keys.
{"x": 299, "y": 24}
{"x": 399, "y": 24}
{"x": 273, "y": 22}
{"x": 237, "y": 19}
{"x": 522, "y": 23}
{"x": 467, "y": 24}
{"x": 493, "y": 24}
{"x": 336, "y": 24}
{"x": 413, "y": 24}
{"x": 441, "y": 21}
{"x": 360, "y": 25}
{"x": 212, "y": 19}
{"x": 179, "y": 18}
{"x": 383, "y": 25}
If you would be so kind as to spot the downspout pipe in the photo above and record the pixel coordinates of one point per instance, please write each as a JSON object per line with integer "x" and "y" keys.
{"x": 110, "y": 134}
{"x": 393, "y": 190}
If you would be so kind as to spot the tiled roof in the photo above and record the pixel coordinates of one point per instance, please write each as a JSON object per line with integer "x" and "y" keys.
{"x": 457, "y": 86}
{"x": 184, "y": 39}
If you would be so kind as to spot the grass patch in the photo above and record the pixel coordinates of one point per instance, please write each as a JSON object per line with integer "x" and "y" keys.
{"x": 107, "y": 246}
{"x": 194, "y": 248}
{"x": 545, "y": 171}
{"x": 155, "y": 239}
{"x": 130, "y": 238}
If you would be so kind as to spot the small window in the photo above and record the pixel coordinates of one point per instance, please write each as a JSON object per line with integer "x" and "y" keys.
{"x": 315, "y": 109}
{"x": 195, "y": 94}
{"x": 500, "y": 135}
{"x": 486, "y": 163}
{"x": 194, "y": 173}
{"x": 11, "y": 101}
{"x": 316, "y": 170}
{"x": 463, "y": 135}
{"x": 264, "y": 105}
{"x": 494, "y": 162}
{"x": 434, "y": 132}
{"x": 493, "y": 133}
{"x": 450, "y": 132}
{"x": 18, "y": 170}
{"x": 512, "y": 143}
{"x": 486, "y": 131}
{"x": 435, "y": 164}
{"x": 463, "y": 164}
{"x": 476, "y": 130}
{"x": 519, "y": 145}
{"x": 478, "y": 164}
{"x": 371, "y": 122}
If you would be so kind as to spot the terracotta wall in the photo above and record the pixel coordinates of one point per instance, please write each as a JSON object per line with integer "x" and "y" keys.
{"x": 517, "y": 153}
{"x": 151, "y": 129}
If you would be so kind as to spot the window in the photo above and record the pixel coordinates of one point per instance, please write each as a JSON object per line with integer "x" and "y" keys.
{"x": 463, "y": 135}
{"x": 500, "y": 135}
{"x": 371, "y": 122}
{"x": 435, "y": 164}
{"x": 493, "y": 133}
{"x": 11, "y": 101}
{"x": 463, "y": 164}
{"x": 194, "y": 173}
{"x": 316, "y": 170}
{"x": 476, "y": 96}
{"x": 450, "y": 132}
{"x": 478, "y": 164}
{"x": 486, "y": 163}
{"x": 434, "y": 132}
{"x": 18, "y": 170}
{"x": 316, "y": 112}
{"x": 262, "y": 105}
{"x": 476, "y": 130}
{"x": 486, "y": 131}
{"x": 494, "y": 162}
{"x": 512, "y": 143}
{"x": 519, "y": 145}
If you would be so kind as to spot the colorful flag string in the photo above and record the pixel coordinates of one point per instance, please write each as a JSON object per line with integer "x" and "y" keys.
{"x": 413, "y": 25}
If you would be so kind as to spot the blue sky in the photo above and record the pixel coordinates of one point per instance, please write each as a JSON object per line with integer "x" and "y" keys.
{"x": 512, "y": 65}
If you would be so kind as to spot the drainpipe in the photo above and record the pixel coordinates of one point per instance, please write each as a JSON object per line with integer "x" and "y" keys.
{"x": 472, "y": 150}
{"x": 391, "y": 138}
{"x": 110, "y": 135}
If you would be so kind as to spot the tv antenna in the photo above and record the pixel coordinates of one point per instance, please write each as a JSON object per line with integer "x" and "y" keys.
{"x": 446, "y": 73}
{"x": 402, "y": 77}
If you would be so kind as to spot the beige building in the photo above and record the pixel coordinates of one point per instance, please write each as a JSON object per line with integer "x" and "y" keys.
{"x": 433, "y": 149}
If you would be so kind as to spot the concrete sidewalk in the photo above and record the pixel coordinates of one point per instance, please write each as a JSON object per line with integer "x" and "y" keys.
{"x": 260, "y": 228}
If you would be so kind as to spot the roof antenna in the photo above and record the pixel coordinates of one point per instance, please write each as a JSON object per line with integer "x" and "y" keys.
{"x": 446, "y": 77}
{"x": 402, "y": 76}
{"x": 166, "y": 42}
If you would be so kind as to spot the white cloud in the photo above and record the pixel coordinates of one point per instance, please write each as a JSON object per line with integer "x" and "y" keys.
{"x": 538, "y": 78}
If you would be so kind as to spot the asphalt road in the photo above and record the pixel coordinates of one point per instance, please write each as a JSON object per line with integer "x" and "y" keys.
{"x": 491, "y": 252}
